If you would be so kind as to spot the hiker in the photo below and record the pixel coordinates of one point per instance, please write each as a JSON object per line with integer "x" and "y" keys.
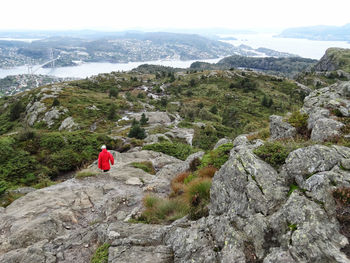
{"x": 104, "y": 158}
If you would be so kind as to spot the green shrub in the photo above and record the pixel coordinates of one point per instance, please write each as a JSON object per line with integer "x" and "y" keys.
{"x": 65, "y": 160}
{"x": 274, "y": 153}
{"x": 143, "y": 120}
{"x": 198, "y": 195}
{"x": 217, "y": 157}
{"x": 299, "y": 121}
{"x": 146, "y": 166}
{"x": 205, "y": 138}
{"x": 178, "y": 150}
{"x": 16, "y": 109}
{"x": 160, "y": 210}
{"x": 3, "y": 187}
{"x": 52, "y": 141}
{"x": 101, "y": 254}
{"x": 136, "y": 131}
{"x": 55, "y": 102}
{"x": 82, "y": 175}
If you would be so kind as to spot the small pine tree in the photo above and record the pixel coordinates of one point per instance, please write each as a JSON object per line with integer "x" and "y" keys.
{"x": 112, "y": 112}
{"x": 55, "y": 102}
{"x": 137, "y": 132}
{"x": 16, "y": 110}
{"x": 163, "y": 101}
{"x": 113, "y": 92}
{"x": 264, "y": 101}
{"x": 214, "y": 109}
{"x": 143, "y": 120}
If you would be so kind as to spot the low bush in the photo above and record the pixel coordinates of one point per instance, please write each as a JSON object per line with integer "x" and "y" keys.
{"x": 177, "y": 150}
{"x": 342, "y": 195}
{"x": 146, "y": 166}
{"x": 177, "y": 184}
{"x": 216, "y": 158}
{"x": 299, "y": 121}
{"x": 82, "y": 175}
{"x": 207, "y": 172}
{"x": 101, "y": 254}
{"x": 274, "y": 153}
{"x": 198, "y": 196}
{"x": 160, "y": 210}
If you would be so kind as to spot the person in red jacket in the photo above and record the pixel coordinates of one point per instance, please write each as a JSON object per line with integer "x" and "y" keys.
{"x": 104, "y": 158}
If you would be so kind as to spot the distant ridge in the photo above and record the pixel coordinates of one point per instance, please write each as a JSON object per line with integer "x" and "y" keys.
{"x": 330, "y": 33}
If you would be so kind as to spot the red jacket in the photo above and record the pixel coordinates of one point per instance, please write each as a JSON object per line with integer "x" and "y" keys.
{"x": 103, "y": 160}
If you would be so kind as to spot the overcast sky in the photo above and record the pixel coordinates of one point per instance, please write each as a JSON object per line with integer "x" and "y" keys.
{"x": 147, "y": 14}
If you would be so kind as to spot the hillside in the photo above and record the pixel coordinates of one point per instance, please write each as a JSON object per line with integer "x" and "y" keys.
{"x": 328, "y": 33}
{"x": 196, "y": 108}
{"x": 289, "y": 66}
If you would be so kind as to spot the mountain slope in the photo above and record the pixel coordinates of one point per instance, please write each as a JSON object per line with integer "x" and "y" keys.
{"x": 329, "y": 33}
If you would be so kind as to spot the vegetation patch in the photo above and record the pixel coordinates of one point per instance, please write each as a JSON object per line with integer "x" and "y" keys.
{"x": 160, "y": 210}
{"x": 101, "y": 254}
{"x": 299, "y": 121}
{"x": 217, "y": 157}
{"x": 274, "y": 153}
{"x": 82, "y": 175}
{"x": 177, "y": 150}
{"x": 146, "y": 166}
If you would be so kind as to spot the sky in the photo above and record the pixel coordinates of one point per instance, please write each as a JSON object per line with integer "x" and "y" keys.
{"x": 151, "y": 14}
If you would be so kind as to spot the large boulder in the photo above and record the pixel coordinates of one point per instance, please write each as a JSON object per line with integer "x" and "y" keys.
{"x": 68, "y": 124}
{"x": 280, "y": 129}
{"x": 326, "y": 129}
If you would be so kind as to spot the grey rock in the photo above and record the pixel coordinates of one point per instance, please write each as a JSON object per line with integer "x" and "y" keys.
{"x": 280, "y": 256}
{"x": 68, "y": 124}
{"x": 345, "y": 163}
{"x": 304, "y": 162}
{"x": 52, "y": 115}
{"x": 33, "y": 111}
{"x": 311, "y": 223}
{"x": 315, "y": 114}
{"x": 280, "y": 129}
{"x": 155, "y": 117}
{"x": 182, "y": 133}
{"x": 326, "y": 129}
{"x": 254, "y": 185}
{"x": 155, "y": 138}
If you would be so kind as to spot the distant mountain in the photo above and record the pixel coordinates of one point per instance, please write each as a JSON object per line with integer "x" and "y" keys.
{"x": 330, "y": 33}
{"x": 280, "y": 66}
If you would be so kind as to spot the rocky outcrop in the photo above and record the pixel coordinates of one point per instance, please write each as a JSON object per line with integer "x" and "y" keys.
{"x": 64, "y": 222}
{"x": 326, "y": 129}
{"x": 68, "y": 124}
{"x": 280, "y": 129}
{"x": 253, "y": 218}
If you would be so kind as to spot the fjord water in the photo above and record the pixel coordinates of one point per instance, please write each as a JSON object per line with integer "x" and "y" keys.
{"x": 88, "y": 69}
{"x": 302, "y": 47}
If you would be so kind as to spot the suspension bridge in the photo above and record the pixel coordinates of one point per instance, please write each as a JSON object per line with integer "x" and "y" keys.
{"x": 52, "y": 60}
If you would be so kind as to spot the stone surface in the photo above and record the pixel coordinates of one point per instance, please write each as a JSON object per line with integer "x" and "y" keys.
{"x": 326, "y": 129}
{"x": 68, "y": 124}
{"x": 155, "y": 138}
{"x": 280, "y": 129}
{"x": 33, "y": 111}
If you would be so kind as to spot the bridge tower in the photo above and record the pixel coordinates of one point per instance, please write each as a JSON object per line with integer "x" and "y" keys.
{"x": 52, "y": 58}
